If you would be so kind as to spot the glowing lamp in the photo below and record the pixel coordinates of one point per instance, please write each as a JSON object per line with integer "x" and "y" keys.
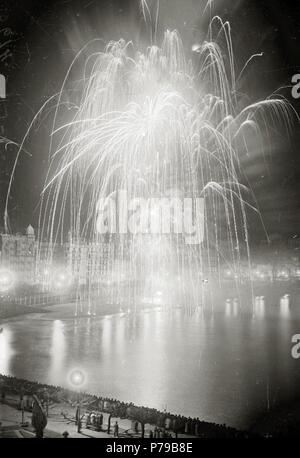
{"x": 77, "y": 378}
{"x": 61, "y": 279}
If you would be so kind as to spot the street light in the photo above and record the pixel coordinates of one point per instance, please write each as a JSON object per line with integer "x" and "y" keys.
{"x": 77, "y": 379}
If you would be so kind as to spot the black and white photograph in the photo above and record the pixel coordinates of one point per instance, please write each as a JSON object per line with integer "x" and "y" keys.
{"x": 149, "y": 222}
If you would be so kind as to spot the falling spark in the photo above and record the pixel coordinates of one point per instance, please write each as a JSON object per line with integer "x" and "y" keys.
{"x": 147, "y": 122}
{"x": 145, "y": 10}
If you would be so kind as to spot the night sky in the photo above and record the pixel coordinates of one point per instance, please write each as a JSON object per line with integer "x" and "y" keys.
{"x": 40, "y": 38}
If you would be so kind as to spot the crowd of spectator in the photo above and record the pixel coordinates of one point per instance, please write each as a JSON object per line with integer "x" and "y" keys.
{"x": 163, "y": 422}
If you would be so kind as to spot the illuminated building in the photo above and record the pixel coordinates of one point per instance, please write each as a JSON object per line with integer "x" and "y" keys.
{"x": 18, "y": 254}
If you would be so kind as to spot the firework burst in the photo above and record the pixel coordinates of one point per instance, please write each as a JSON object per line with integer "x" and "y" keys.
{"x": 149, "y": 122}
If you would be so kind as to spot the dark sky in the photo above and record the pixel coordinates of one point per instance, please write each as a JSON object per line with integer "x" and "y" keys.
{"x": 40, "y": 38}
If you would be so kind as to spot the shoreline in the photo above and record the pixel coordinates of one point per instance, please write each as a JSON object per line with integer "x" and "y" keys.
{"x": 9, "y": 311}
{"x": 52, "y": 312}
{"x": 229, "y": 289}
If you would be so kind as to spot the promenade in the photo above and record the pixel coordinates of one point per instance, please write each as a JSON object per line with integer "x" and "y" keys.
{"x": 98, "y": 415}
{"x": 61, "y": 418}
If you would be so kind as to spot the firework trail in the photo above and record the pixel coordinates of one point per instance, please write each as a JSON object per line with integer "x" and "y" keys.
{"x": 145, "y": 10}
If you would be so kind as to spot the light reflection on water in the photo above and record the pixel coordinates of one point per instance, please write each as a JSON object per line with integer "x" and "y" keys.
{"x": 6, "y": 350}
{"x": 57, "y": 351}
{"x": 215, "y": 365}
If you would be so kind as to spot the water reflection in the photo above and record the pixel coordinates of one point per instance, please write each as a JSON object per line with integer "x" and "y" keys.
{"x": 259, "y": 306}
{"x": 212, "y": 364}
{"x": 232, "y": 307}
{"x": 285, "y": 306}
{"x": 57, "y": 351}
{"x": 235, "y": 306}
{"x": 6, "y": 352}
{"x": 106, "y": 335}
{"x": 228, "y": 307}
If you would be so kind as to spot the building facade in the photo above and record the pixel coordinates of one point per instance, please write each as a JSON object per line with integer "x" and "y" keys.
{"x": 18, "y": 253}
